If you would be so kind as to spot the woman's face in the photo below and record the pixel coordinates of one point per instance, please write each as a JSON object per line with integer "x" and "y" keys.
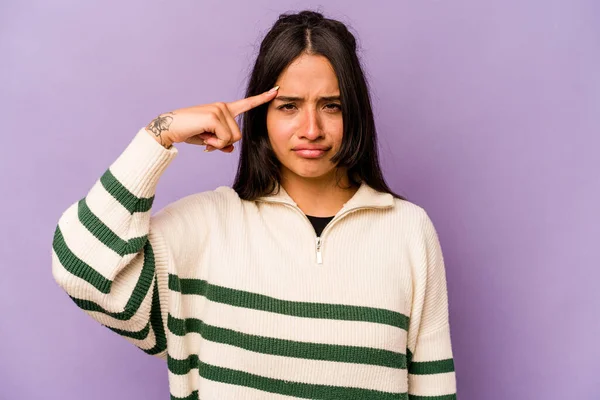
{"x": 306, "y": 114}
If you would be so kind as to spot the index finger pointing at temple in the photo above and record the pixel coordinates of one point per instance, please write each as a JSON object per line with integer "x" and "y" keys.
{"x": 241, "y": 106}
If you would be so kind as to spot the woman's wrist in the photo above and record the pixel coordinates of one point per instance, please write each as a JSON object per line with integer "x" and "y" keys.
{"x": 161, "y": 139}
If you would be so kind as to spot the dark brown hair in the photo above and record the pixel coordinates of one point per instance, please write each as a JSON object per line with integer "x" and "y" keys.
{"x": 309, "y": 32}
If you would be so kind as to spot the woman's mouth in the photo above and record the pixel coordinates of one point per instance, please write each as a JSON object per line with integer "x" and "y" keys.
{"x": 310, "y": 153}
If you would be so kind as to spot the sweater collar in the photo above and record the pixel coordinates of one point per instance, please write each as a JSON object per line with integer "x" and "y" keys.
{"x": 365, "y": 196}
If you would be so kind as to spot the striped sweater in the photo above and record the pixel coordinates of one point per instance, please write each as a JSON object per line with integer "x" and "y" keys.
{"x": 243, "y": 301}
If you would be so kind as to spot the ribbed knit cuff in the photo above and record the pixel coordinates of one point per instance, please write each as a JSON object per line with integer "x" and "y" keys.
{"x": 141, "y": 164}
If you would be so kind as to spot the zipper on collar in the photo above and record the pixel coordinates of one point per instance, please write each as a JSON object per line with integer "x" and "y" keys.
{"x": 319, "y": 240}
{"x": 319, "y": 255}
{"x": 368, "y": 196}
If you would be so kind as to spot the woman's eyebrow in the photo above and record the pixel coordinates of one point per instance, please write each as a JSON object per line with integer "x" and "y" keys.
{"x": 294, "y": 98}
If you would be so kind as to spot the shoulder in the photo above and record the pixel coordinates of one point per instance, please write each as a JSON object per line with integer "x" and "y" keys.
{"x": 187, "y": 222}
{"x": 411, "y": 214}
{"x": 222, "y": 196}
{"x": 414, "y": 223}
{"x": 200, "y": 206}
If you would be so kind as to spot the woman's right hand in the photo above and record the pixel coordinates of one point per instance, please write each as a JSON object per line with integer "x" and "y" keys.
{"x": 212, "y": 124}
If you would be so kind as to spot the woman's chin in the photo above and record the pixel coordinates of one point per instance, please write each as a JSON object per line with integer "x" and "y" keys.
{"x": 308, "y": 170}
{"x": 312, "y": 173}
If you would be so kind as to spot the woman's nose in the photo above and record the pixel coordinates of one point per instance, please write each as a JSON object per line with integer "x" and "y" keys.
{"x": 312, "y": 125}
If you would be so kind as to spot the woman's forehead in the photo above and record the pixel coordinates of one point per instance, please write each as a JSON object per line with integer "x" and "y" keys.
{"x": 308, "y": 76}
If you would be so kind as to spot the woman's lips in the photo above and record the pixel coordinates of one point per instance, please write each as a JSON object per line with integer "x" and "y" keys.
{"x": 310, "y": 153}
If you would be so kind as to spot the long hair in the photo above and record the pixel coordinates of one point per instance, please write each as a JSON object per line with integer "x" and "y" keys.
{"x": 292, "y": 35}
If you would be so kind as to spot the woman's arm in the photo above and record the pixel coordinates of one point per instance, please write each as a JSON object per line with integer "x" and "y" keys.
{"x": 110, "y": 255}
{"x": 431, "y": 372}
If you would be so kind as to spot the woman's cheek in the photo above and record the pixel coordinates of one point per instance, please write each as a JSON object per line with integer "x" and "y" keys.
{"x": 335, "y": 128}
{"x": 284, "y": 127}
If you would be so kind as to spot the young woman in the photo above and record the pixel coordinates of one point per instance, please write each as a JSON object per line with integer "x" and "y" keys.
{"x": 308, "y": 278}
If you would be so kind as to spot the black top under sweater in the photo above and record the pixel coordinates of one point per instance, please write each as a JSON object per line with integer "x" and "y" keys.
{"x": 319, "y": 223}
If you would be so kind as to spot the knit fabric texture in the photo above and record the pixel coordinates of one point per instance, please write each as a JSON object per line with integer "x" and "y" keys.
{"x": 244, "y": 301}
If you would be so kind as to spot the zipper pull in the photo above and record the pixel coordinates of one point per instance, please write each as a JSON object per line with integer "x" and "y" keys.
{"x": 319, "y": 256}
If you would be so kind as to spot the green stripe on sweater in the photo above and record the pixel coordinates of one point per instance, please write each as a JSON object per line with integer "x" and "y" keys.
{"x": 96, "y": 227}
{"x": 193, "y": 396}
{"x": 155, "y": 322}
{"x": 255, "y": 301}
{"x": 428, "y": 367}
{"x": 77, "y": 267}
{"x": 103, "y": 233}
{"x": 431, "y": 367}
{"x": 157, "y": 326}
{"x": 130, "y": 201}
{"x": 297, "y": 389}
{"x": 139, "y": 335}
{"x": 283, "y": 347}
{"x": 443, "y": 397}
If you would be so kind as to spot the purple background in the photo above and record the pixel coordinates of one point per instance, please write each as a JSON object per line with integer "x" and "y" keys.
{"x": 488, "y": 115}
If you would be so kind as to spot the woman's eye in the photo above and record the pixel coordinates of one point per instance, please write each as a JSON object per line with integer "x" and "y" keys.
{"x": 334, "y": 106}
{"x": 286, "y": 107}
{"x": 291, "y": 106}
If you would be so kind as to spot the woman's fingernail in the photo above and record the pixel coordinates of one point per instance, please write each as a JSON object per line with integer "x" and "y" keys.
{"x": 273, "y": 89}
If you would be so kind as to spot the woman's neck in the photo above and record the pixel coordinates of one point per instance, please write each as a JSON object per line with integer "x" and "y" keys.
{"x": 318, "y": 197}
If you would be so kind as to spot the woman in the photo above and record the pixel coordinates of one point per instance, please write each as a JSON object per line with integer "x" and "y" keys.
{"x": 308, "y": 279}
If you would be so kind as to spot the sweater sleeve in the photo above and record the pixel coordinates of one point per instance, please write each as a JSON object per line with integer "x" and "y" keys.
{"x": 430, "y": 361}
{"x": 111, "y": 256}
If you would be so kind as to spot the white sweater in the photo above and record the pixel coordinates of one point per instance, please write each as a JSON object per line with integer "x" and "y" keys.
{"x": 244, "y": 302}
